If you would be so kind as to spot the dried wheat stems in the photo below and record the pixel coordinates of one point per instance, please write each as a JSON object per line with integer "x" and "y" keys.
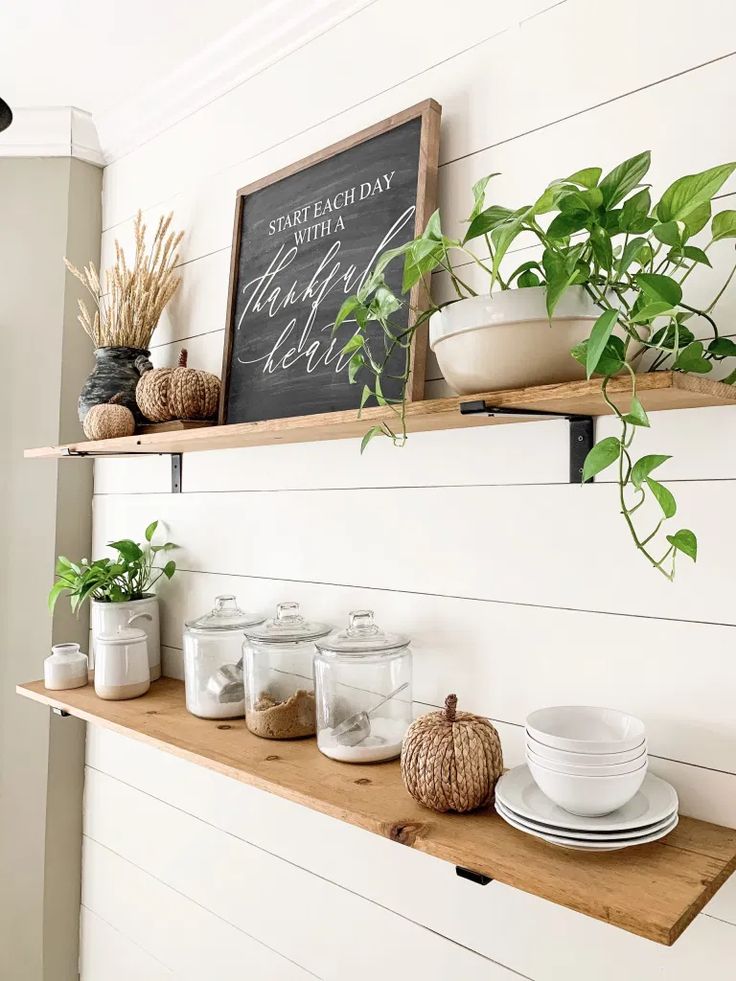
{"x": 126, "y": 313}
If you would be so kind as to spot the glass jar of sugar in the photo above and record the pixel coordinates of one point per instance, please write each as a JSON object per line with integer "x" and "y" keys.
{"x": 213, "y": 660}
{"x": 279, "y": 674}
{"x": 363, "y": 686}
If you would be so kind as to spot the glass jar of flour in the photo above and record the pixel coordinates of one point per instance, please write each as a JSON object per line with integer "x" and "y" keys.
{"x": 213, "y": 660}
{"x": 363, "y": 686}
{"x": 279, "y": 674}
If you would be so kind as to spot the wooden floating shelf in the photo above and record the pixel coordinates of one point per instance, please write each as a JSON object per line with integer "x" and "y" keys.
{"x": 653, "y": 890}
{"x": 657, "y": 390}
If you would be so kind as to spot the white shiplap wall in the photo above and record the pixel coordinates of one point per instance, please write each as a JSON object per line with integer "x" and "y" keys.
{"x": 518, "y": 589}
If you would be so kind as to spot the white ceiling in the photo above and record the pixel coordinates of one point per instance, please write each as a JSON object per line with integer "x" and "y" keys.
{"x": 97, "y": 54}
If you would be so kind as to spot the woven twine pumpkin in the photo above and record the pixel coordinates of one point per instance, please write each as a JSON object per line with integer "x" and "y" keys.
{"x": 108, "y": 420}
{"x": 163, "y": 394}
{"x": 451, "y": 760}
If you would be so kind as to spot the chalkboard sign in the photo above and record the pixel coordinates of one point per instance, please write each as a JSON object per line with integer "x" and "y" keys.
{"x": 304, "y": 238}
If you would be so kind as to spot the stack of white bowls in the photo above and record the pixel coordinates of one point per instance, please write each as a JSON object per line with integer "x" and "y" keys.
{"x": 589, "y": 761}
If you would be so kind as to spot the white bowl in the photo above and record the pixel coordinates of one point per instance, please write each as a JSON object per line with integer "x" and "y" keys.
{"x": 587, "y": 796}
{"x": 586, "y": 729}
{"x": 607, "y": 770}
{"x": 551, "y": 755}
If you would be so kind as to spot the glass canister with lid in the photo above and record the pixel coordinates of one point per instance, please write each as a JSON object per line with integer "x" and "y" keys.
{"x": 213, "y": 660}
{"x": 279, "y": 674}
{"x": 363, "y": 679}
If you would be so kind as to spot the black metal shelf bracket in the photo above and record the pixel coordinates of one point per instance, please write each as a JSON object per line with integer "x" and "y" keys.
{"x": 582, "y": 429}
{"x": 477, "y": 877}
{"x": 176, "y": 460}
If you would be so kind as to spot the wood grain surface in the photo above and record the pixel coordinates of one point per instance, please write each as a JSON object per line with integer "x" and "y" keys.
{"x": 657, "y": 391}
{"x": 654, "y": 890}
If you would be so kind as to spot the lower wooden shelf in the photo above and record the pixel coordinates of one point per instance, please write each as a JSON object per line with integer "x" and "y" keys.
{"x": 654, "y": 890}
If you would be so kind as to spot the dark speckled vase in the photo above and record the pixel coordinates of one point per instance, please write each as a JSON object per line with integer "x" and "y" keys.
{"x": 115, "y": 373}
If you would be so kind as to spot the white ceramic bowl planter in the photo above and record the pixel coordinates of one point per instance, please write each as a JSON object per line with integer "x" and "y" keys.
{"x": 107, "y": 617}
{"x": 506, "y": 339}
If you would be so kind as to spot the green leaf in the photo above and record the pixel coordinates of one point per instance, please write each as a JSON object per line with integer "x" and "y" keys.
{"x": 634, "y": 210}
{"x": 384, "y": 303}
{"x": 722, "y": 347}
{"x": 572, "y": 201}
{"x": 688, "y": 193}
{"x": 479, "y": 195}
{"x": 624, "y": 178}
{"x": 691, "y": 359}
{"x": 667, "y": 232}
{"x": 685, "y": 541}
{"x": 631, "y": 253}
{"x": 486, "y": 221}
{"x": 601, "y": 456}
{"x": 169, "y": 569}
{"x": 664, "y": 497}
{"x": 128, "y": 549}
{"x": 354, "y": 344}
{"x": 696, "y": 220}
{"x": 696, "y": 254}
{"x": 371, "y": 434}
{"x": 365, "y": 395}
{"x": 598, "y": 339}
{"x": 652, "y": 310}
{"x": 656, "y": 287}
{"x": 502, "y": 236}
{"x": 670, "y": 336}
{"x": 528, "y": 279}
{"x": 602, "y": 248}
{"x": 346, "y": 309}
{"x": 724, "y": 225}
{"x": 565, "y": 225}
{"x": 354, "y": 365}
{"x": 644, "y": 466}
{"x": 636, "y": 416}
{"x": 610, "y": 362}
{"x": 151, "y": 530}
{"x": 433, "y": 229}
{"x": 588, "y": 177}
{"x": 423, "y": 257}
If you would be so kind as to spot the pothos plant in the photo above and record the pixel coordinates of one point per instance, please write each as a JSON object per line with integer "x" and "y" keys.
{"x": 131, "y": 575}
{"x": 632, "y": 257}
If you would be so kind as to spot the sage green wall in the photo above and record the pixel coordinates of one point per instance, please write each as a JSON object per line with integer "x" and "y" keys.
{"x": 48, "y": 208}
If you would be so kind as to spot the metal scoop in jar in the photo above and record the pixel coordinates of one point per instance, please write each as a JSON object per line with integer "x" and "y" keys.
{"x": 226, "y": 684}
{"x": 358, "y": 727}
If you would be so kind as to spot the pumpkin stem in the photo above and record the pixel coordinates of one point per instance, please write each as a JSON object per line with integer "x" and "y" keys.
{"x": 118, "y": 399}
{"x": 183, "y": 358}
{"x": 450, "y": 707}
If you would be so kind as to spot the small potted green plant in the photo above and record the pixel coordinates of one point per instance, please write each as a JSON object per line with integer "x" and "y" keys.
{"x": 118, "y": 588}
{"x": 609, "y": 274}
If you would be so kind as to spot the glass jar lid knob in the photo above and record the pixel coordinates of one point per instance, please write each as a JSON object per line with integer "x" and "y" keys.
{"x": 287, "y": 613}
{"x": 362, "y": 624}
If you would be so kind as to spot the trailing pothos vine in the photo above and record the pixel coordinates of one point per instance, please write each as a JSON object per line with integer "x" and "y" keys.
{"x": 634, "y": 259}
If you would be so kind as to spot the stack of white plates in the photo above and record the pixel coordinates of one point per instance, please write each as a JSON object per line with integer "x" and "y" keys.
{"x": 588, "y": 760}
{"x": 649, "y": 815}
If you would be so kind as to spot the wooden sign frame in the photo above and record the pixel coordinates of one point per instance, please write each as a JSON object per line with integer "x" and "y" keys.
{"x": 429, "y": 113}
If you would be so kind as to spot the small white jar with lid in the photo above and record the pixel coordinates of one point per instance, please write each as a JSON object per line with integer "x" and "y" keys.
{"x": 213, "y": 660}
{"x": 363, "y": 684}
{"x": 65, "y": 668}
{"x": 121, "y": 662}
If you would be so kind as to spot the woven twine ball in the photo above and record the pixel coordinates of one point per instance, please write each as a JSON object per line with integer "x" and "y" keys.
{"x": 108, "y": 420}
{"x": 163, "y": 394}
{"x": 451, "y": 760}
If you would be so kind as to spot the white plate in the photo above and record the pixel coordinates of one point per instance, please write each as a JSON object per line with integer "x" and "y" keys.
{"x": 586, "y": 729}
{"x": 610, "y": 845}
{"x": 653, "y": 802}
{"x": 547, "y": 829}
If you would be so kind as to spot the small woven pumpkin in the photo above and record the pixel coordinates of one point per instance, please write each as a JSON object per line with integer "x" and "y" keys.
{"x": 177, "y": 393}
{"x": 451, "y": 760}
{"x": 109, "y": 419}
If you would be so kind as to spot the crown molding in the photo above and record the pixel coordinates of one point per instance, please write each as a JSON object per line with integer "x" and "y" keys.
{"x": 265, "y": 37}
{"x": 52, "y": 131}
